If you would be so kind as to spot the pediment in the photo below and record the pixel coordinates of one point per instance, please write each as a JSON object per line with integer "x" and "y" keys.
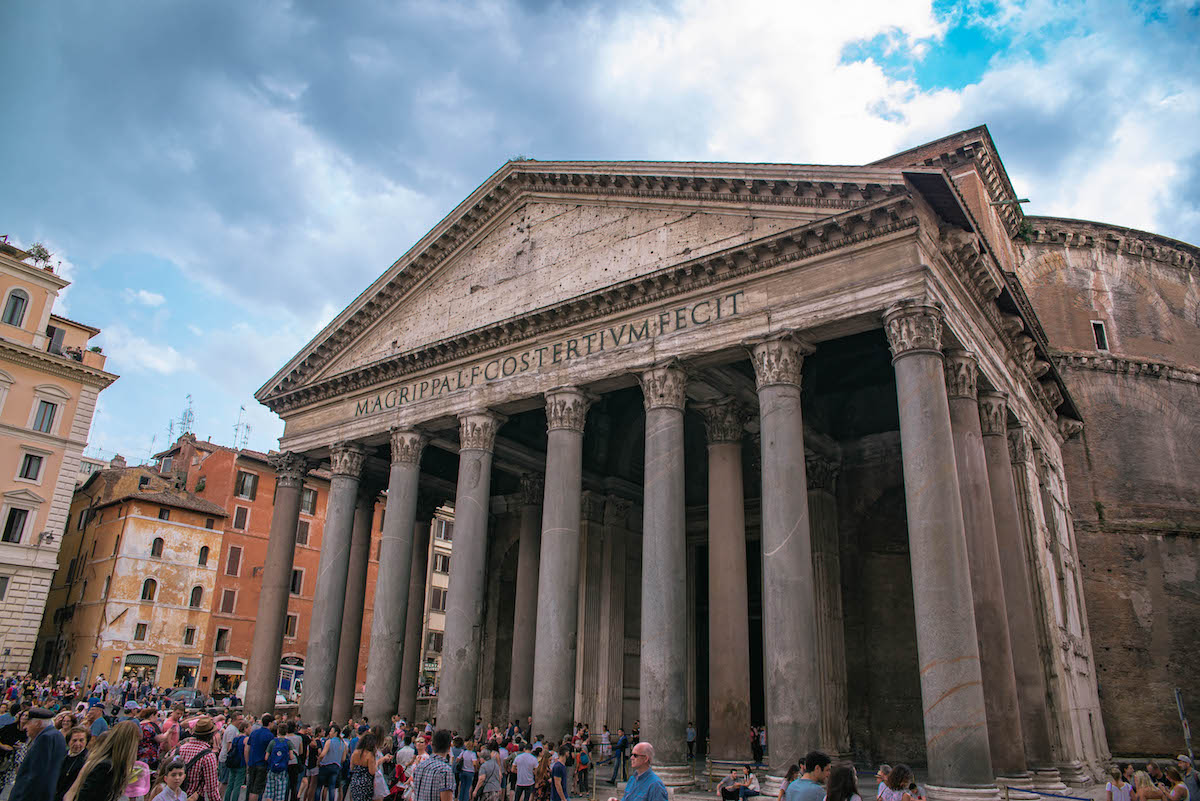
{"x": 23, "y": 496}
{"x": 588, "y": 223}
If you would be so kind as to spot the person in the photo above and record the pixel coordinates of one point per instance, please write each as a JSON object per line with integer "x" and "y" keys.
{"x": 1176, "y": 789}
{"x": 433, "y": 778}
{"x": 173, "y": 775}
{"x": 295, "y": 760}
{"x": 362, "y": 768}
{"x": 690, "y": 734}
{"x": 77, "y": 742}
{"x": 524, "y": 765}
{"x": 200, "y": 761}
{"x": 582, "y": 765}
{"x": 842, "y": 783}
{"x": 792, "y": 772}
{"x": 235, "y": 761}
{"x": 1117, "y": 788}
{"x": 756, "y": 749}
{"x": 558, "y": 777}
{"x": 487, "y": 785}
{"x": 811, "y": 784}
{"x": 109, "y": 767}
{"x": 897, "y": 784}
{"x": 748, "y": 783}
{"x": 228, "y": 732}
{"x": 1190, "y": 777}
{"x": 256, "y": 757}
{"x": 619, "y": 756}
{"x": 12, "y": 743}
{"x": 881, "y": 777}
{"x": 644, "y": 784}
{"x": 279, "y": 752}
{"x": 605, "y": 743}
{"x": 468, "y": 765}
{"x": 1143, "y": 786}
{"x": 541, "y": 776}
{"x": 37, "y": 777}
{"x": 727, "y": 788}
{"x": 95, "y": 720}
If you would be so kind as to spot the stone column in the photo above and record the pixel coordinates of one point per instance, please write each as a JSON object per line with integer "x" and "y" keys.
{"x": 349, "y": 646}
{"x": 464, "y": 606}
{"x": 329, "y": 601}
{"x": 558, "y": 572}
{"x": 612, "y": 614}
{"x": 789, "y": 602}
{"x": 956, "y": 737}
{"x": 728, "y": 607}
{"x": 663, "y": 703}
{"x": 388, "y": 624}
{"x": 262, "y": 676}
{"x": 1018, "y": 596}
{"x": 414, "y": 623}
{"x": 831, "y": 638}
{"x": 987, "y": 585}
{"x": 529, "y": 551}
{"x": 589, "y": 660}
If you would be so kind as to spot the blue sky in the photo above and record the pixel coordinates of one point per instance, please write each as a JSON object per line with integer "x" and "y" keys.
{"x": 220, "y": 178}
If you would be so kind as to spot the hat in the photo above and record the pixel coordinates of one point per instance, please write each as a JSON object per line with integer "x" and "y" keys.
{"x": 131, "y": 704}
{"x": 39, "y": 713}
{"x": 1184, "y": 758}
{"x": 203, "y": 727}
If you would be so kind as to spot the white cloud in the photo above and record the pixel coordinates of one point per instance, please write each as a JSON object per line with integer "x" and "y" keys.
{"x": 128, "y": 351}
{"x": 144, "y": 297}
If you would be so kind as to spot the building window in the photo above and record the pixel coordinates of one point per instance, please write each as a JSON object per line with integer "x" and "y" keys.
{"x": 3, "y": 587}
{"x": 164, "y": 466}
{"x": 302, "y": 533}
{"x": 116, "y": 545}
{"x": 203, "y": 561}
{"x": 435, "y": 642}
{"x": 139, "y": 631}
{"x": 196, "y": 598}
{"x": 233, "y": 561}
{"x": 189, "y": 635}
{"x": 240, "y": 515}
{"x": 156, "y": 547}
{"x": 164, "y": 514}
{"x": 44, "y": 419}
{"x": 71, "y": 571}
{"x": 297, "y": 580}
{"x": 290, "y": 625}
{"x": 308, "y": 501}
{"x": 247, "y": 485}
{"x": 209, "y": 523}
{"x": 445, "y": 530}
{"x": 201, "y": 483}
{"x": 143, "y": 482}
{"x": 221, "y": 644}
{"x": 14, "y": 525}
{"x": 228, "y": 602}
{"x": 1100, "y": 335}
{"x": 149, "y": 589}
{"x": 14, "y": 309}
{"x": 107, "y": 583}
{"x": 83, "y": 518}
{"x": 441, "y": 562}
{"x": 437, "y": 600}
{"x": 31, "y": 467}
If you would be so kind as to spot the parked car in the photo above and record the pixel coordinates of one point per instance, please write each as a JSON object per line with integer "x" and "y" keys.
{"x": 240, "y": 697}
{"x": 190, "y": 697}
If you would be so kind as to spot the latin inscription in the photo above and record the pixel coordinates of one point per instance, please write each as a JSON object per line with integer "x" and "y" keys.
{"x": 694, "y": 315}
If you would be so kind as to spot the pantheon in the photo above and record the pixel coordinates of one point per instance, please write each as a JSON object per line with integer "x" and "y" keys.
{"x": 841, "y": 450}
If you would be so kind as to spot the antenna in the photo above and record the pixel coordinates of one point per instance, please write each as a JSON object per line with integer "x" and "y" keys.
{"x": 187, "y": 418}
{"x": 241, "y": 431}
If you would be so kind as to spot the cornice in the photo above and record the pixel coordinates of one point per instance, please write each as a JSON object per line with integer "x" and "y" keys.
{"x": 1085, "y": 234}
{"x": 1142, "y": 368}
{"x": 806, "y": 241}
{"x": 55, "y": 365}
{"x": 825, "y": 188}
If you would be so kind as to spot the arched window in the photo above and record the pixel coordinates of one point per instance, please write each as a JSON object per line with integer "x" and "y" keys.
{"x": 203, "y": 556}
{"x": 149, "y": 589}
{"x": 197, "y": 597}
{"x": 156, "y": 547}
{"x": 15, "y": 306}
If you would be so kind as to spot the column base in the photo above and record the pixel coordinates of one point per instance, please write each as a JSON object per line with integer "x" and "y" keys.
{"x": 1075, "y": 773}
{"x": 770, "y": 785}
{"x": 1047, "y": 780}
{"x": 675, "y": 775}
{"x": 1018, "y": 787}
{"x": 717, "y": 768}
{"x": 977, "y": 793}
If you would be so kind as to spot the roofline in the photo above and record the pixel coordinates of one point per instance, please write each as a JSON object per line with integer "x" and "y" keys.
{"x": 1124, "y": 229}
{"x": 93, "y": 329}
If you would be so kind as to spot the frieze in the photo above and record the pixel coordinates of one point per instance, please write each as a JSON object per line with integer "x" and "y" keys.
{"x": 663, "y": 387}
{"x": 724, "y": 421}
{"x": 347, "y": 459}
{"x": 567, "y": 408}
{"x": 477, "y": 430}
{"x": 913, "y": 326}
{"x": 407, "y": 445}
{"x": 1125, "y": 366}
{"x": 993, "y": 413}
{"x": 290, "y": 468}
{"x": 779, "y": 360}
{"x": 962, "y": 374}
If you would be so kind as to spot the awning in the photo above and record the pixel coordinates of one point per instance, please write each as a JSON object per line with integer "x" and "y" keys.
{"x": 139, "y": 660}
{"x": 188, "y": 661}
{"x": 229, "y": 667}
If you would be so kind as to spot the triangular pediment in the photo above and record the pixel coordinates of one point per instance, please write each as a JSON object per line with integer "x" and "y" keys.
{"x": 23, "y": 496}
{"x": 649, "y": 212}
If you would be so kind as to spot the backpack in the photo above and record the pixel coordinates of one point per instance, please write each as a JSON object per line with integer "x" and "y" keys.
{"x": 277, "y": 755}
{"x": 233, "y": 759}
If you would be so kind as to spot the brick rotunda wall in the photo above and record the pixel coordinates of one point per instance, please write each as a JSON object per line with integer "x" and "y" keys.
{"x": 1134, "y": 471}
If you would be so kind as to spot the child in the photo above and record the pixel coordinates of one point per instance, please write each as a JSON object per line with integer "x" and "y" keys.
{"x": 1118, "y": 789}
{"x": 172, "y": 784}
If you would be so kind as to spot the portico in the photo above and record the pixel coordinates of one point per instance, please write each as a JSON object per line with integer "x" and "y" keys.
{"x": 617, "y": 371}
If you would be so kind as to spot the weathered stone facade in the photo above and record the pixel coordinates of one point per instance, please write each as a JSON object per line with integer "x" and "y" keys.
{"x": 573, "y": 326}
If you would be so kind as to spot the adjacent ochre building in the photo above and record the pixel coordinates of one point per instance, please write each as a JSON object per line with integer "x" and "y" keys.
{"x": 49, "y": 382}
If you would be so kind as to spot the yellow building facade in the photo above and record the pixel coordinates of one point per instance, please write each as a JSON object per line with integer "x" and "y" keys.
{"x": 133, "y": 595}
{"x": 49, "y": 383}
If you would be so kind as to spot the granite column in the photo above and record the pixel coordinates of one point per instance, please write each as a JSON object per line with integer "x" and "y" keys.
{"x": 464, "y": 605}
{"x": 329, "y": 600}
{"x": 831, "y": 640}
{"x": 389, "y": 622}
{"x": 414, "y": 619}
{"x": 350, "y": 643}
{"x": 956, "y": 738}
{"x": 529, "y": 551}
{"x": 262, "y": 679}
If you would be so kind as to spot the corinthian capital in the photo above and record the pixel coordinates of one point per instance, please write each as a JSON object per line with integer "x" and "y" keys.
{"x": 290, "y": 468}
{"x": 663, "y": 387}
{"x": 993, "y": 413}
{"x": 477, "y": 430}
{"x": 821, "y": 473}
{"x": 962, "y": 374}
{"x": 567, "y": 408}
{"x": 1018, "y": 445}
{"x": 913, "y": 326}
{"x": 779, "y": 360}
{"x": 724, "y": 420}
{"x": 407, "y": 445}
{"x": 533, "y": 488}
{"x": 347, "y": 459}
